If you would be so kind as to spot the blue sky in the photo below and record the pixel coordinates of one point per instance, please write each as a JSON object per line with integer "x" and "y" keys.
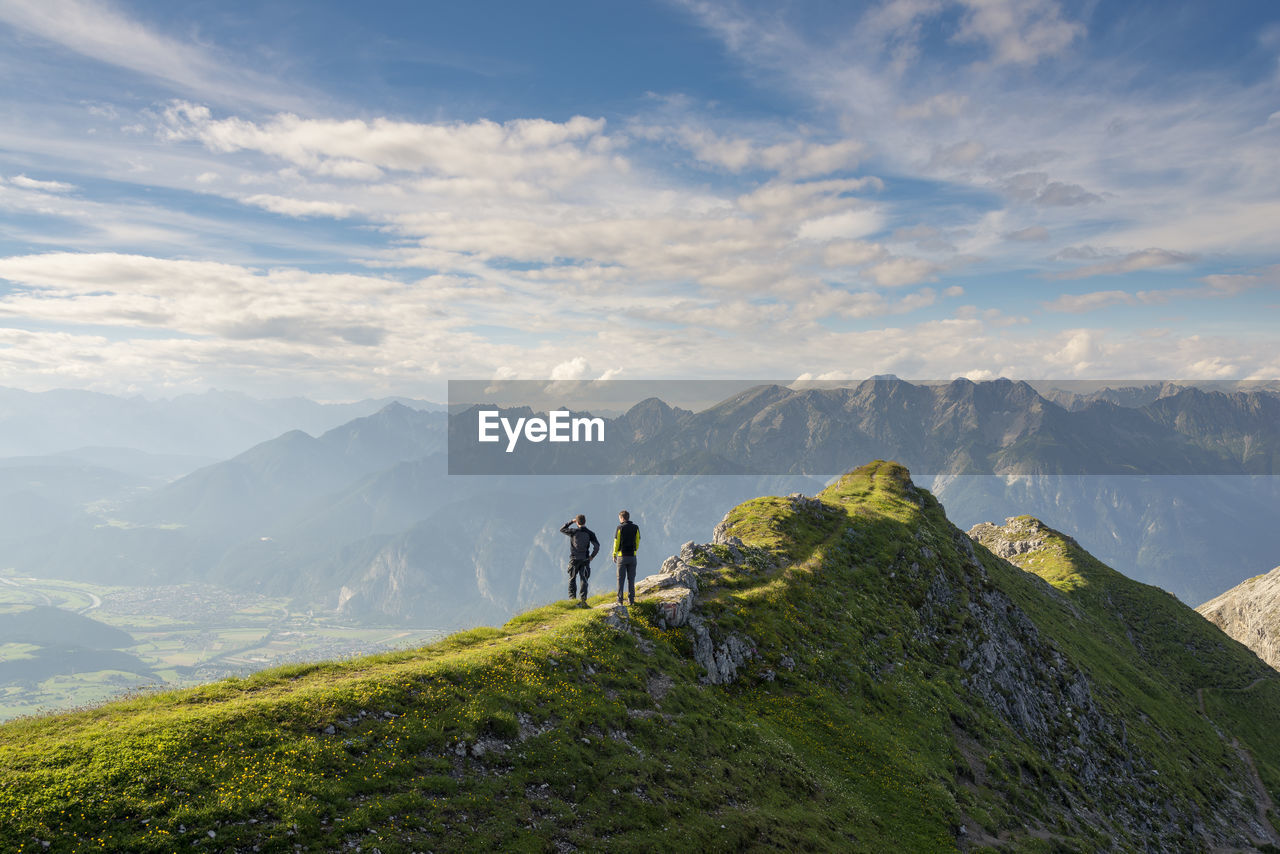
{"x": 319, "y": 199}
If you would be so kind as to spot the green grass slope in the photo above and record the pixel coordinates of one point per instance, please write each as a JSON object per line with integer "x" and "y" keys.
{"x": 1153, "y": 644}
{"x": 899, "y": 690}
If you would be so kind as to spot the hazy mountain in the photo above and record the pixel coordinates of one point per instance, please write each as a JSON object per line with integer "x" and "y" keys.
{"x": 1130, "y": 396}
{"x": 1077, "y": 394}
{"x": 215, "y": 424}
{"x": 847, "y": 672}
{"x": 998, "y": 427}
{"x": 252, "y": 489}
{"x": 156, "y": 468}
{"x": 41, "y": 497}
{"x": 1191, "y": 535}
{"x": 1175, "y": 486}
{"x": 366, "y": 517}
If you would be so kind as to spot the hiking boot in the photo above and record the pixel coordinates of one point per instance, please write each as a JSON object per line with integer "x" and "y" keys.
{"x": 633, "y": 602}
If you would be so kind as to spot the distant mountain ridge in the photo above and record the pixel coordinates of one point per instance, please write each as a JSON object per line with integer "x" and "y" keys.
{"x": 996, "y": 427}
{"x": 365, "y": 518}
{"x": 212, "y": 424}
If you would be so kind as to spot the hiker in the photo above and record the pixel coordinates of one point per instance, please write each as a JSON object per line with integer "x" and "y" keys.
{"x": 583, "y": 546}
{"x": 626, "y": 540}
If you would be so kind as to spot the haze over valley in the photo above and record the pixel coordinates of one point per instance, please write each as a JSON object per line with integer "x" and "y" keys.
{"x": 303, "y": 547}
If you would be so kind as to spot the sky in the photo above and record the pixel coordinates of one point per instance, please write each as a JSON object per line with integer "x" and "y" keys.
{"x": 342, "y": 201}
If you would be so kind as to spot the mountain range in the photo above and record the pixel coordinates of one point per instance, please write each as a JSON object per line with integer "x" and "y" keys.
{"x": 843, "y": 672}
{"x": 365, "y": 518}
{"x": 999, "y": 427}
{"x": 212, "y": 425}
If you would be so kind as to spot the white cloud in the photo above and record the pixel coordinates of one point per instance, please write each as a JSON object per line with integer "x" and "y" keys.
{"x": 1034, "y": 233}
{"x": 287, "y": 331}
{"x": 1134, "y": 261}
{"x": 897, "y": 272}
{"x": 102, "y": 32}
{"x": 1214, "y": 223}
{"x": 1234, "y": 283}
{"x": 943, "y": 105}
{"x": 781, "y": 197}
{"x": 1218, "y": 286}
{"x": 846, "y": 225}
{"x": 1076, "y": 303}
{"x": 1036, "y": 188}
{"x": 852, "y": 253}
{"x": 794, "y": 158}
{"x": 356, "y": 170}
{"x": 1017, "y": 32}
{"x": 577, "y": 368}
{"x": 961, "y": 154}
{"x": 207, "y": 298}
{"x": 299, "y": 207}
{"x": 1104, "y": 162}
{"x": 358, "y": 149}
{"x": 533, "y": 225}
{"x": 41, "y": 186}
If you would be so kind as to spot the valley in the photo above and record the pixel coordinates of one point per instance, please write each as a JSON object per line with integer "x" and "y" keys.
{"x": 183, "y": 634}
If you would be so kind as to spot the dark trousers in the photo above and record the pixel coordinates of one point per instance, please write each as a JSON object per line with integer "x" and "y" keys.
{"x": 627, "y": 575}
{"x": 578, "y": 569}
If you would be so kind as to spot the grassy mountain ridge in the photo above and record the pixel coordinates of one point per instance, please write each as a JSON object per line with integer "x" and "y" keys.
{"x": 896, "y": 688}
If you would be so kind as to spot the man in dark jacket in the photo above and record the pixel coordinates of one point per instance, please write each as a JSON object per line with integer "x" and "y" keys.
{"x": 626, "y": 541}
{"x": 583, "y": 546}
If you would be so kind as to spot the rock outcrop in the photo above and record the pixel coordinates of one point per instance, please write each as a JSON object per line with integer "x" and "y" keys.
{"x": 674, "y": 590}
{"x": 1250, "y": 613}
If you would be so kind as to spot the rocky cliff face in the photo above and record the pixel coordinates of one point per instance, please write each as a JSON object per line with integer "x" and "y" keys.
{"x": 1250, "y": 613}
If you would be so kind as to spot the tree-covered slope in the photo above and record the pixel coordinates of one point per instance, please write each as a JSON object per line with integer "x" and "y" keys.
{"x": 840, "y": 673}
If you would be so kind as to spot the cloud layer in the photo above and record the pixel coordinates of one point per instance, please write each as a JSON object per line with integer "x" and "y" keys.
{"x": 946, "y": 180}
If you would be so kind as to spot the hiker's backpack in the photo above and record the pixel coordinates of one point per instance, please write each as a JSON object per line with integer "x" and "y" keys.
{"x": 580, "y": 542}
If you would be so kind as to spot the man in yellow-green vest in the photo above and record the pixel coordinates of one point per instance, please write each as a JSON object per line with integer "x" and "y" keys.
{"x": 626, "y": 540}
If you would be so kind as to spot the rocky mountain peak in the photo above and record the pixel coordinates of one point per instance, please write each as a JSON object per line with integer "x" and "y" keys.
{"x": 1250, "y": 613}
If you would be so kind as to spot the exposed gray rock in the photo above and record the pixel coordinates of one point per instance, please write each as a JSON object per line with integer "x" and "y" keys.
{"x": 720, "y": 536}
{"x": 721, "y": 660}
{"x": 675, "y": 604}
{"x": 674, "y": 590}
{"x": 488, "y": 745}
{"x": 1250, "y": 613}
{"x": 1019, "y": 535}
{"x": 677, "y": 574}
